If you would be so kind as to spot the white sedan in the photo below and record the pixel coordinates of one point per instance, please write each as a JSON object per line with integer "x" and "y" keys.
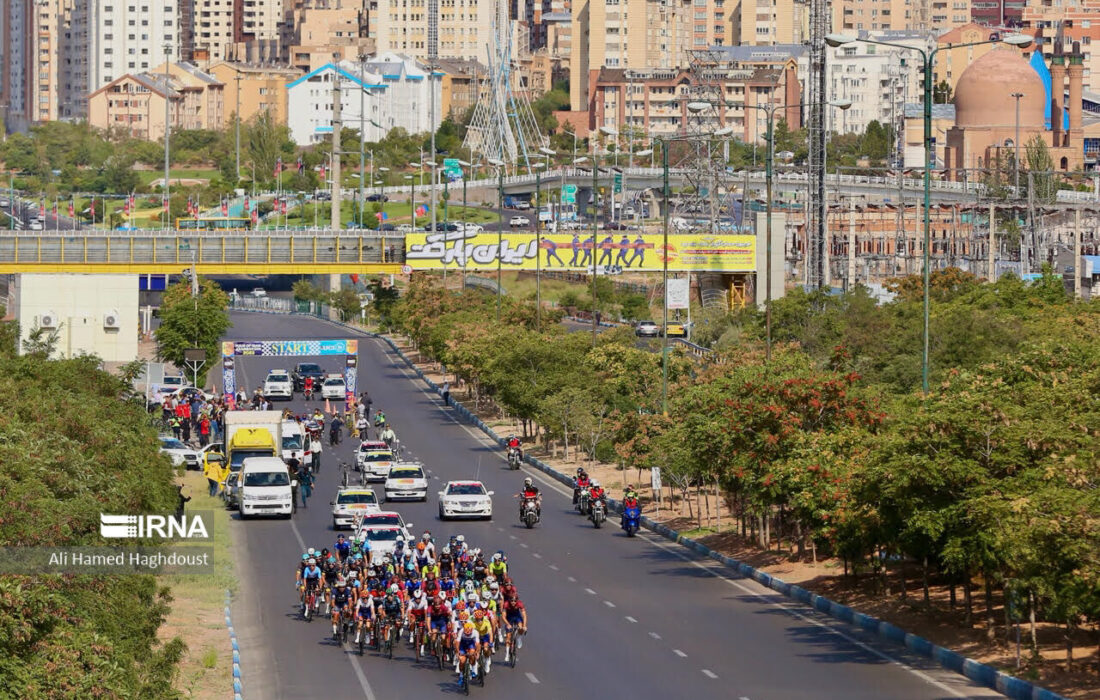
{"x": 406, "y": 481}
{"x": 180, "y": 453}
{"x": 333, "y": 388}
{"x": 383, "y": 538}
{"x": 465, "y": 499}
{"x": 374, "y": 459}
{"x": 278, "y": 385}
{"x": 351, "y": 502}
{"x": 519, "y": 221}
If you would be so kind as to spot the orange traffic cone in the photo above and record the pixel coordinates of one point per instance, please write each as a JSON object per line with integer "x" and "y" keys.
{"x": 328, "y": 406}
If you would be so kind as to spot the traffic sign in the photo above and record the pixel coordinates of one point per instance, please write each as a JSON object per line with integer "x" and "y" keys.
{"x": 618, "y": 183}
{"x": 568, "y": 194}
{"x": 406, "y": 270}
{"x": 452, "y": 169}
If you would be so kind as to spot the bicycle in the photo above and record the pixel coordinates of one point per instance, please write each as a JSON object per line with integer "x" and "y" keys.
{"x": 376, "y": 633}
{"x": 418, "y": 639}
{"x": 513, "y": 646}
{"x": 363, "y": 634}
{"x": 310, "y": 601}
{"x": 347, "y": 623}
{"x": 437, "y": 648}
{"x": 464, "y": 678}
{"x": 482, "y": 666}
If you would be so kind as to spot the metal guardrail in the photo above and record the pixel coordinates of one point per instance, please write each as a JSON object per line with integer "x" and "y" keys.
{"x": 225, "y": 252}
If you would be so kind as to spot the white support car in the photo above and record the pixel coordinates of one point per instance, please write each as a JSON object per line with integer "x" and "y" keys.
{"x": 180, "y": 453}
{"x": 465, "y": 499}
{"x": 406, "y": 480}
{"x": 383, "y": 518}
{"x": 383, "y": 538}
{"x": 350, "y": 502}
{"x": 334, "y": 387}
{"x": 374, "y": 459}
{"x": 278, "y": 385}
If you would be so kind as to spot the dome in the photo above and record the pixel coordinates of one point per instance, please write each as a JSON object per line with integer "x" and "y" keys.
{"x": 983, "y": 95}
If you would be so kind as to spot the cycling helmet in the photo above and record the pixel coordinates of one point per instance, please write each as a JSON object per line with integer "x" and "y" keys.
{"x": 479, "y": 615}
{"x": 427, "y": 536}
{"x": 468, "y": 627}
{"x": 463, "y": 616}
{"x": 305, "y": 557}
{"x": 595, "y": 483}
{"x": 394, "y": 588}
{"x": 447, "y": 549}
{"x": 340, "y": 536}
{"x": 580, "y": 471}
{"x": 494, "y": 586}
{"x": 420, "y": 546}
{"x": 460, "y": 607}
{"x": 498, "y": 556}
{"x": 312, "y": 562}
{"x": 527, "y": 482}
{"x": 460, "y": 539}
{"x": 472, "y": 597}
{"x": 418, "y": 594}
{"x": 358, "y": 557}
{"x": 470, "y": 586}
{"x": 311, "y": 551}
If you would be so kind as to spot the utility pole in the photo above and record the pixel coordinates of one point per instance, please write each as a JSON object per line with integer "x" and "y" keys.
{"x": 337, "y": 127}
{"x": 362, "y": 133}
{"x": 238, "y": 125}
{"x": 433, "y": 55}
{"x": 167, "y": 120}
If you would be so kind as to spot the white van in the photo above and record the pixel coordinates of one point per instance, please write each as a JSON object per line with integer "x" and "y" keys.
{"x": 296, "y": 443}
{"x": 266, "y": 487}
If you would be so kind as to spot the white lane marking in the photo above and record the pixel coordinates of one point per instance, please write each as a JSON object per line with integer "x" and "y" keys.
{"x": 524, "y": 545}
{"x": 513, "y": 537}
{"x": 500, "y": 529}
{"x": 709, "y": 673}
{"x": 554, "y": 567}
{"x": 531, "y": 677}
{"x": 743, "y": 697}
{"x": 368, "y": 692}
{"x": 673, "y": 549}
{"x": 572, "y": 580}
{"x": 589, "y": 591}
{"x": 631, "y": 619}
{"x": 536, "y": 555}
{"x": 654, "y": 635}
{"x": 679, "y": 653}
{"x": 609, "y": 604}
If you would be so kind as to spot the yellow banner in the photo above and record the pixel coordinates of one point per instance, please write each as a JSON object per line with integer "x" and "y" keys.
{"x": 615, "y": 251}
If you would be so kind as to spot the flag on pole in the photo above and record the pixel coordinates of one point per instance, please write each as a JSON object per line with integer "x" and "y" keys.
{"x": 126, "y": 207}
{"x": 301, "y": 165}
{"x": 282, "y": 206}
{"x": 247, "y": 204}
{"x": 225, "y": 207}
{"x": 72, "y": 208}
{"x": 91, "y": 208}
{"x": 55, "y": 208}
{"x": 166, "y": 204}
{"x": 354, "y": 278}
{"x": 322, "y": 172}
{"x": 42, "y": 208}
{"x": 255, "y": 215}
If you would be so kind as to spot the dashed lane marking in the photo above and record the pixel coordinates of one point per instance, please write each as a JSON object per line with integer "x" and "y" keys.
{"x": 589, "y": 591}
{"x": 531, "y": 677}
{"x": 524, "y": 545}
{"x": 536, "y": 555}
{"x": 554, "y": 567}
{"x": 631, "y": 620}
{"x": 609, "y": 604}
{"x": 654, "y": 635}
{"x": 709, "y": 674}
{"x": 572, "y": 580}
{"x": 679, "y": 653}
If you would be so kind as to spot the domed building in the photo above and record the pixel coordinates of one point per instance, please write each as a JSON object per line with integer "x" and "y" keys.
{"x": 986, "y": 119}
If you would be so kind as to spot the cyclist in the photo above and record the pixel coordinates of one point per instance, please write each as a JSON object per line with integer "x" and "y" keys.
{"x": 342, "y": 598}
{"x": 495, "y": 598}
{"x": 468, "y": 643}
{"x": 499, "y": 565}
{"x": 515, "y": 618}
{"x": 422, "y": 558}
{"x": 479, "y": 567}
{"x": 343, "y": 548}
{"x": 417, "y": 614}
{"x": 580, "y": 483}
{"x": 299, "y": 575}
{"x": 483, "y": 624}
{"x": 430, "y": 585}
{"x": 364, "y": 613}
{"x": 393, "y": 608}
{"x": 355, "y": 564}
{"x": 445, "y": 563}
{"x": 530, "y": 491}
{"x": 311, "y": 577}
{"x": 429, "y": 543}
{"x": 439, "y": 615}
{"x": 362, "y": 426}
{"x": 330, "y": 569}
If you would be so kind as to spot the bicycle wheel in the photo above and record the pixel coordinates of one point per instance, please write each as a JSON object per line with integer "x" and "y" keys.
{"x": 437, "y": 649}
{"x": 466, "y": 678}
{"x": 417, "y": 641}
{"x": 513, "y": 649}
{"x": 363, "y": 634}
{"x": 481, "y": 661}
{"x": 391, "y": 639}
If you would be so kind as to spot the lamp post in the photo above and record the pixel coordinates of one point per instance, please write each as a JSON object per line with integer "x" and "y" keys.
{"x": 1016, "y": 145}
{"x": 606, "y": 131}
{"x": 769, "y": 171}
{"x": 927, "y": 59}
{"x": 550, "y": 153}
{"x": 382, "y": 190}
{"x": 412, "y": 200}
{"x": 167, "y": 125}
{"x": 499, "y": 165}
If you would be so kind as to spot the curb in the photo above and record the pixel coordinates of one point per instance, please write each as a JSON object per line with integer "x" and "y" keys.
{"x": 236, "y": 648}
{"x": 980, "y": 673}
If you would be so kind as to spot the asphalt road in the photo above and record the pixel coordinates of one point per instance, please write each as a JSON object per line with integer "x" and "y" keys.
{"x": 609, "y": 616}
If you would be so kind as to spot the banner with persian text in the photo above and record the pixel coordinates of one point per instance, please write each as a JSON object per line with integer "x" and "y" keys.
{"x": 609, "y": 252}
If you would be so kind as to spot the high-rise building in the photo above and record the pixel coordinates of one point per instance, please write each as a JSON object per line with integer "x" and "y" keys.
{"x": 877, "y": 80}
{"x": 262, "y": 89}
{"x": 1072, "y": 20}
{"x": 465, "y": 27}
{"x": 850, "y": 16}
{"x": 998, "y": 13}
{"x": 769, "y": 22}
{"x": 625, "y": 34}
{"x": 16, "y": 81}
{"x": 129, "y": 36}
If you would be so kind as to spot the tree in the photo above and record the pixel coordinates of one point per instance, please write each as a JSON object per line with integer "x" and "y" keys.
{"x": 347, "y": 302}
{"x": 304, "y": 290}
{"x": 942, "y": 93}
{"x": 1040, "y": 172}
{"x": 267, "y": 141}
{"x": 192, "y": 322}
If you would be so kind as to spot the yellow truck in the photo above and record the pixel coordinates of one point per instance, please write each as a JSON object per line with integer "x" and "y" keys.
{"x": 249, "y": 434}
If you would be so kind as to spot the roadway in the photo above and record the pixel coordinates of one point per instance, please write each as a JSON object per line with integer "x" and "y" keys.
{"x": 609, "y": 615}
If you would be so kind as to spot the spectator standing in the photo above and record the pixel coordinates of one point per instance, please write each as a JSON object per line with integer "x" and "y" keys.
{"x": 446, "y": 392}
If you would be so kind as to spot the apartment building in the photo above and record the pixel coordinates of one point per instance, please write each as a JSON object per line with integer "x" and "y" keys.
{"x": 210, "y": 30}
{"x": 952, "y": 60}
{"x": 134, "y": 104}
{"x": 625, "y": 34}
{"x": 769, "y": 22}
{"x": 465, "y": 27}
{"x": 463, "y": 82}
{"x": 850, "y": 16}
{"x": 393, "y": 90}
{"x": 253, "y": 90}
{"x": 877, "y": 80}
{"x": 129, "y": 36}
{"x": 312, "y": 36}
{"x": 17, "y": 78}
{"x": 997, "y": 13}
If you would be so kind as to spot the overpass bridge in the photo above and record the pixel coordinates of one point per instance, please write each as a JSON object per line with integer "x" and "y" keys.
{"x": 213, "y": 252}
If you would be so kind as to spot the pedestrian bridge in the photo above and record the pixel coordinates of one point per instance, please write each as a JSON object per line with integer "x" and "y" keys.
{"x": 221, "y": 252}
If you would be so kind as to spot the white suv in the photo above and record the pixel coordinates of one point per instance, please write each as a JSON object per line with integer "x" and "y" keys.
{"x": 278, "y": 385}
{"x": 333, "y": 387}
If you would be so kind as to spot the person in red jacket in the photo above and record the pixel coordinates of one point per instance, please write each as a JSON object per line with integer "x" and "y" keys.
{"x": 596, "y": 491}
{"x": 580, "y": 483}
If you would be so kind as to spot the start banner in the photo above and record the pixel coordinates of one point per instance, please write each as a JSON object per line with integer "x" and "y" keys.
{"x": 610, "y": 250}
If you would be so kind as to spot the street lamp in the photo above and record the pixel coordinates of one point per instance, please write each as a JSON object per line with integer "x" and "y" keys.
{"x": 499, "y": 165}
{"x": 769, "y": 170}
{"x": 549, "y": 153}
{"x": 927, "y": 59}
{"x": 1016, "y": 144}
{"x": 613, "y": 133}
{"x": 382, "y": 191}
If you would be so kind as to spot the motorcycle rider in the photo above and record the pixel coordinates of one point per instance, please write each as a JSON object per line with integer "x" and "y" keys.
{"x": 387, "y": 436}
{"x": 580, "y": 483}
{"x": 596, "y": 493}
{"x": 530, "y": 491}
{"x": 307, "y": 388}
{"x": 515, "y": 444}
{"x": 630, "y": 497}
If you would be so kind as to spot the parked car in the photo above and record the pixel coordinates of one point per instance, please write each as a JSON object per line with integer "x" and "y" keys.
{"x": 465, "y": 499}
{"x": 259, "y": 293}
{"x": 647, "y": 329}
{"x": 519, "y": 221}
{"x": 377, "y": 198}
{"x": 675, "y": 330}
{"x": 615, "y": 226}
{"x": 278, "y": 385}
{"x": 179, "y": 453}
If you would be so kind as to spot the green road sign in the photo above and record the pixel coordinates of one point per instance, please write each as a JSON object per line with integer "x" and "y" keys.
{"x": 568, "y": 194}
{"x": 452, "y": 169}
{"x": 618, "y": 183}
